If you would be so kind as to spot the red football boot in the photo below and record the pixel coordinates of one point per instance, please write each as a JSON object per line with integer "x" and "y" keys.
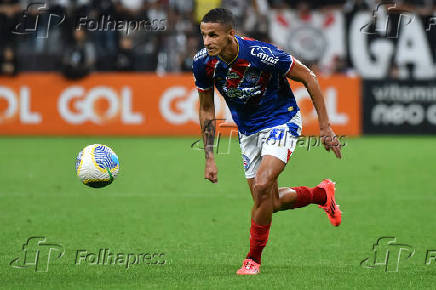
{"x": 330, "y": 207}
{"x": 249, "y": 267}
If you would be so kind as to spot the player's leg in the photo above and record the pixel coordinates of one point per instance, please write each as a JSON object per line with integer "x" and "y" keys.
{"x": 297, "y": 197}
{"x": 251, "y": 155}
{"x": 262, "y": 189}
{"x": 265, "y": 183}
{"x": 323, "y": 195}
{"x": 281, "y": 142}
{"x": 283, "y": 197}
{"x": 250, "y": 182}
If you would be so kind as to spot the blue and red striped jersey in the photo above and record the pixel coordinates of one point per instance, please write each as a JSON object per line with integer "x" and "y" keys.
{"x": 254, "y": 84}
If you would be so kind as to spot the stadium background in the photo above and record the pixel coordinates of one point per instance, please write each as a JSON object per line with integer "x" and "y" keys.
{"x": 62, "y": 88}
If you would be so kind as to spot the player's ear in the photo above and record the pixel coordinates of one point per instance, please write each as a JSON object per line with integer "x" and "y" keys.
{"x": 232, "y": 33}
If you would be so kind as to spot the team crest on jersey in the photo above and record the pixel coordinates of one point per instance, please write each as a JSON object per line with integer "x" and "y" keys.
{"x": 251, "y": 76}
{"x": 244, "y": 83}
{"x": 232, "y": 75}
{"x": 246, "y": 161}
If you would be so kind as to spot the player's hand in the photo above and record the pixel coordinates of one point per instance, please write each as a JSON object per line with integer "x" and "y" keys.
{"x": 330, "y": 141}
{"x": 211, "y": 171}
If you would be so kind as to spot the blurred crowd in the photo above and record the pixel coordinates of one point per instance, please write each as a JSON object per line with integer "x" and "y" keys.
{"x": 46, "y": 37}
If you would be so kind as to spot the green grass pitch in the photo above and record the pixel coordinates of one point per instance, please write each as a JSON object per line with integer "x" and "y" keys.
{"x": 160, "y": 203}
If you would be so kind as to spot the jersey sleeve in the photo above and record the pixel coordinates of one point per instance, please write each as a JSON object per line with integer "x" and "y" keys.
{"x": 202, "y": 81}
{"x": 285, "y": 61}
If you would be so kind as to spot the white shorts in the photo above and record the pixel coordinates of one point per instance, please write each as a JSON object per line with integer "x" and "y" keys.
{"x": 279, "y": 141}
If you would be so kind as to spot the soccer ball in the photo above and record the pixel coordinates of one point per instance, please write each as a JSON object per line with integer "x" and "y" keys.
{"x": 97, "y": 165}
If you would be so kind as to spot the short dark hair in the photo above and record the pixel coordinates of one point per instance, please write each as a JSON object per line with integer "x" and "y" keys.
{"x": 220, "y": 15}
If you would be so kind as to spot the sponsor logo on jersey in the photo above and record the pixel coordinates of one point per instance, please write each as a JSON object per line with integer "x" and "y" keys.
{"x": 234, "y": 93}
{"x": 264, "y": 53}
{"x": 200, "y": 54}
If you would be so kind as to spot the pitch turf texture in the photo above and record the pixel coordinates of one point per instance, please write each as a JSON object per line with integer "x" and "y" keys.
{"x": 160, "y": 203}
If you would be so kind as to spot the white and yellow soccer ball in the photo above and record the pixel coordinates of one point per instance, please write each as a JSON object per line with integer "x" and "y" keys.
{"x": 97, "y": 165}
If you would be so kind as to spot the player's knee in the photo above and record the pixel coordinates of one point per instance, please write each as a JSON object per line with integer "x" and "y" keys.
{"x": 262, "y": 185}
{"x": 277, "y": 206}
{"x": 262, "y": 197}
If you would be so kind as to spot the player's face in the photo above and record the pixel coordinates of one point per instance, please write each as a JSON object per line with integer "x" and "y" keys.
{"x": 216, "y": 37}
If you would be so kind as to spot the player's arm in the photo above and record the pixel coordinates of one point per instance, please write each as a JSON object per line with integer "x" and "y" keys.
{"x": 208, "y": 125}
{"x": 303, "y": 74}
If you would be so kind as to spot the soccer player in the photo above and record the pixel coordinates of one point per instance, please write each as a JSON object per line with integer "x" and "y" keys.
{"x": 252, "y": 77}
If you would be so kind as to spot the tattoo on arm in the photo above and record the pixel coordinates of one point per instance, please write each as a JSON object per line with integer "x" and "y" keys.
{"x": 208, "y": 137}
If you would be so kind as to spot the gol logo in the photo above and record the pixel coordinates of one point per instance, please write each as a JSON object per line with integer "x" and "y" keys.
{"x": 77, "y": 106}
{"x": 331, "y": 100}
{"x": 17, "y": 105}
{"x": 179, "y": 105}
